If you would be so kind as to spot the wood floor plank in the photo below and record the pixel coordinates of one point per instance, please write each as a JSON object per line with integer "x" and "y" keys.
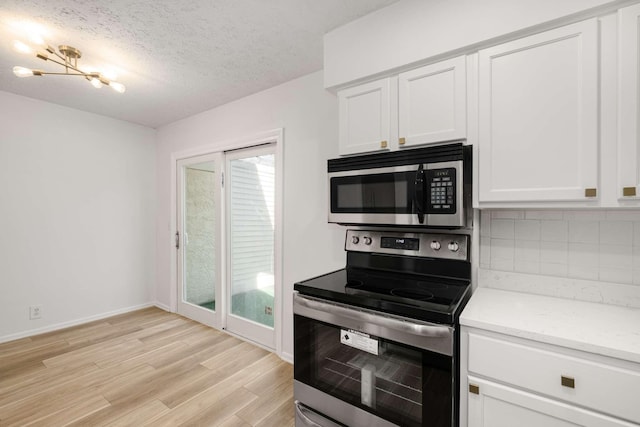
{"x": 217, "y": 412}
{"x": 88, "y": 335}
{"x": 49, "y": 380}
{"x": 91, "y": 382}
{"x": 179, "y": 394}
{"x": 149, "y": 386}
{"x": 9, "y": 346}
{"x": 90, "y": 353}
{"x": 235, "y": 358}
{"x": 29, "y": 411}
{"x": 184, "y": 411}
{"x": 23, "y": 362}
{"x": 137, "y": 416}
{"x": 234, "y": 421}
{"x": 283, "y": 416}
{"x": 264, "y": 384}
{"x": 147, "y": 367}
{"x": 218, "y": 347}
{"x": 268, "y": 403}
{"x": 66, "y": 415}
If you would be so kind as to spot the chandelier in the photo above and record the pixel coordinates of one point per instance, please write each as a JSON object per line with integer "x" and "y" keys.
{"x": 67, "y": 57}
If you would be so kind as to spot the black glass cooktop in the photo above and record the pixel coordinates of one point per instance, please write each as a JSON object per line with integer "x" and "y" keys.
{"x": 415, "y": 296}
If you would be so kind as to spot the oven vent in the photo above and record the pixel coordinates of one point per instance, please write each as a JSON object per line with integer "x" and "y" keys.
{"x": 440, "y": 153}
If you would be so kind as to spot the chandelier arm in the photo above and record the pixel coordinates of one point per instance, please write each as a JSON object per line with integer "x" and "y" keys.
{"x": 65, "y": 74}
{"x": 67, "y": 65}
{"x": 57, "y": 54}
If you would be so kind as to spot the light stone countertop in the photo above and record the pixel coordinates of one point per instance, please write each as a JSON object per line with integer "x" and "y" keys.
{"x": 603, "y": 329}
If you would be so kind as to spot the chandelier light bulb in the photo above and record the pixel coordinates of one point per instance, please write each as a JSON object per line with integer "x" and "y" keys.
{"x": 22, "y": 72}
{"x": 22, "y": 47}
{"x": 37, "y": 39}
{"x": 118, "y": 87}
{"x": 96, "y": 83}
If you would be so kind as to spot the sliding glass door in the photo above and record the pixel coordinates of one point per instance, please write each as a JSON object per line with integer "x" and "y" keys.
{"x": 227, "y": 241}
{"x": 199, "y": 238}
{"x": 250, "y": 195}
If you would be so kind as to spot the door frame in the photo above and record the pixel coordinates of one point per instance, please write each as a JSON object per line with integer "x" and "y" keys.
{"x": 275, "y": 136}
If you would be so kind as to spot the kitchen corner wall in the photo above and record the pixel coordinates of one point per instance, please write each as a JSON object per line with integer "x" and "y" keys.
{"x": 592, "y": 245}
{"x": 77, "y": 203}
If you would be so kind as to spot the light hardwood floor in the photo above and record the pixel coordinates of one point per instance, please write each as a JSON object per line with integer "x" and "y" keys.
{"x": 145, "y": 368}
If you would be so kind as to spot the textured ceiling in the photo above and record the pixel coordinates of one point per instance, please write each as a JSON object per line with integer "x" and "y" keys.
{"x": 176, "y": 58}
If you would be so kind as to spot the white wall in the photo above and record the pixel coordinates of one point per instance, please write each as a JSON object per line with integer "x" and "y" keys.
{"x": 77, "y": 205}
{"x": 308, "y": 115}
{"x": 412, "y": 31}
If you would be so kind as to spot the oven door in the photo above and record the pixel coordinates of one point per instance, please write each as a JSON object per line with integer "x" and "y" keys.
{"x": 359, "y": 367}
{"x": 377, "y": 196}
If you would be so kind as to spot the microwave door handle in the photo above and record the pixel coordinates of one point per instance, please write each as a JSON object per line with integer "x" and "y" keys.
{"x": 418, "y": 199}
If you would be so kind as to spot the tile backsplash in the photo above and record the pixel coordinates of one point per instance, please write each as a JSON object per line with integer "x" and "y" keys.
{"x": 591, "y": 245}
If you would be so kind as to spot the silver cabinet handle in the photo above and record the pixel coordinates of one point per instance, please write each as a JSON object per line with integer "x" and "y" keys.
{"x": 387, "y": 322}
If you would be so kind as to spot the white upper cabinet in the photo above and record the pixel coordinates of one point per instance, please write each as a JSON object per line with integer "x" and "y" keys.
{"x": 422, "y": 106}
{"x": 432, "y": 103}
{"x": 538, "y": 117}
{"x": 628, "y": 188}
{"x": 364, "y": 113}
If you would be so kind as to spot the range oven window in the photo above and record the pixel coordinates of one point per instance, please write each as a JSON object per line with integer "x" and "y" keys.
{"x": 402, "y": 384}
{"x": 375, "y": 193}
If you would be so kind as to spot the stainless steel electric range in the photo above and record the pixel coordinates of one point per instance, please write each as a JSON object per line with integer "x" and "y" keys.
{"x": 376, "y": 343}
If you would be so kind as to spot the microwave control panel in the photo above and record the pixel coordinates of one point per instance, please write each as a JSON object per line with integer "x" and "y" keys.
{"x": 441, "y": 190}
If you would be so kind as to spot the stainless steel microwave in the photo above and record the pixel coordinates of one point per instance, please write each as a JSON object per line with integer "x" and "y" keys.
{"x": 426, "y": 187}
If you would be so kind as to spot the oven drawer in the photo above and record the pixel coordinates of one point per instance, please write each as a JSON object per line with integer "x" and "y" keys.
{"x": 307, "y": 417}
{"x": 588, "y": 383}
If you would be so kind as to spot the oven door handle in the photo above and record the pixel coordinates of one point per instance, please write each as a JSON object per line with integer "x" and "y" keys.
{"x": 433, "y": 331}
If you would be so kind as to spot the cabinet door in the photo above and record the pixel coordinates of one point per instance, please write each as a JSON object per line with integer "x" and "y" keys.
{"x": 538, "y": 117}
{"x": 432, "y": 103}
{"x": 629, "y": 104}
{"x": 364, "y": 115}
{"x": 495, "y": 405}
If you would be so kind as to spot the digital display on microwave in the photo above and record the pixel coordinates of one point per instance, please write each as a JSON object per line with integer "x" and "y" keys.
{"x": 400, "y": 243}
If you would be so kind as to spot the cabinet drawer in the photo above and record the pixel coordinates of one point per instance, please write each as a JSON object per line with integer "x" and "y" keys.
{"x": 590, "y": 384}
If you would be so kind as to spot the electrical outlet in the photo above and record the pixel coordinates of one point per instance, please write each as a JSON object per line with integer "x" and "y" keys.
{"x": 35, "y": 312}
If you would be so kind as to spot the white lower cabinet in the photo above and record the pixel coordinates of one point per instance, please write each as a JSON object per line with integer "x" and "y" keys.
{"x": 497, "y": 405}
{"x": 509, "y": 381}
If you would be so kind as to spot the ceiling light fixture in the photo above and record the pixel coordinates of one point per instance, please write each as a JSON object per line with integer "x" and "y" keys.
{"x": 68, "y": 58}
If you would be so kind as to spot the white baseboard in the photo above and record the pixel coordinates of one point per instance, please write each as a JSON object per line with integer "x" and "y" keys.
{"x": 162, "y": 307}
{"x": 57, "y": 326}
{"x": 287, "y": 357}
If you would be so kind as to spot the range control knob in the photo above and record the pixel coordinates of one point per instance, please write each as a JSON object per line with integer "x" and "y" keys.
{"x": 355, "y": 240}
{"x": 435, "y": 245}
{"x": 453, "y": 246}
{"x": 367, "y": 240}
